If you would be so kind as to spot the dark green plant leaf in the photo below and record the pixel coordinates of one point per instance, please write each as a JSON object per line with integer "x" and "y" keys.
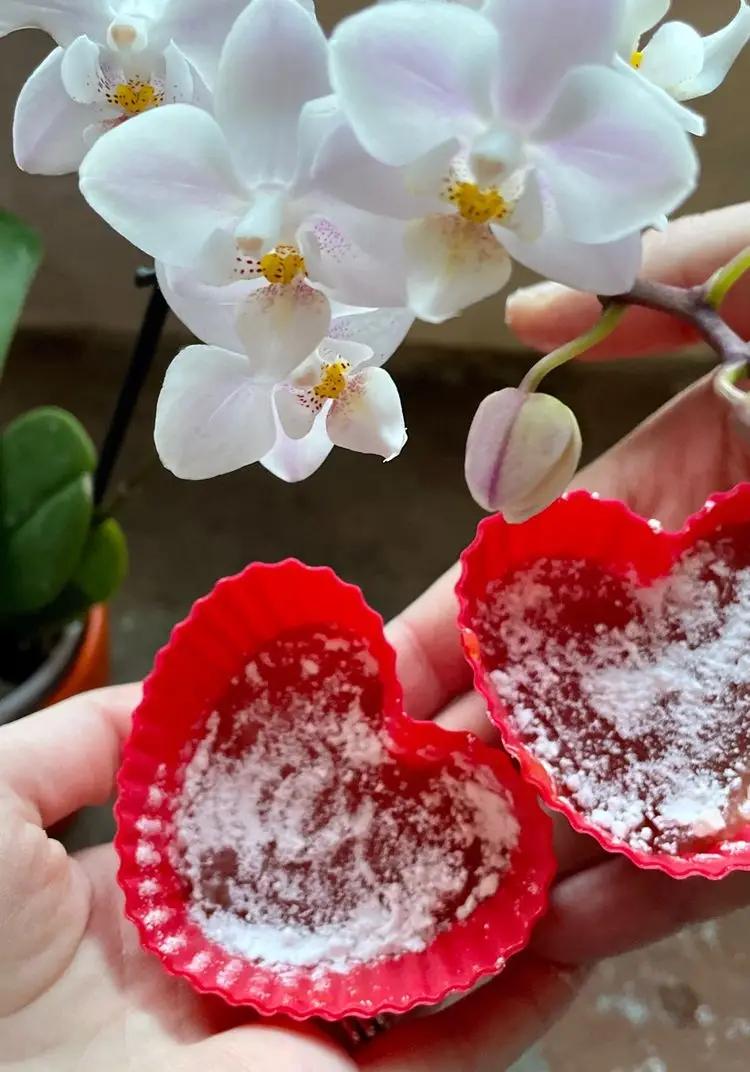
{"x": 38, "y": 557}
{"x": 104, "y": 563}
{"x": 41, "y": 453}
{"x": 20, "y": 254}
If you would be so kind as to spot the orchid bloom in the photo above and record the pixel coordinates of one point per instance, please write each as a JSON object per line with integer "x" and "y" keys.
{"x": 115, "y": 59}
{"x": 222, "y": 407}
{"x": 527, "y": 141}
{"x": 231, "y": 198}
{"x": 677, "y": 59}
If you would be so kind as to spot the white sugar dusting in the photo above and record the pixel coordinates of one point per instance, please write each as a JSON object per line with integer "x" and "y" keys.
{"x": 632, "y": 697}
{"x": 305, "y": 843}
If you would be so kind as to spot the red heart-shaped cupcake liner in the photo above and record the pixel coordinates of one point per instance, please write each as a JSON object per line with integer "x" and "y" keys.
{"x": 290, "y": 840}
{"x": 615, "y": 661}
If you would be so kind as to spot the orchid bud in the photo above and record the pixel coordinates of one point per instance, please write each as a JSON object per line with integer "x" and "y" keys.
{"x": 522, "y": 452}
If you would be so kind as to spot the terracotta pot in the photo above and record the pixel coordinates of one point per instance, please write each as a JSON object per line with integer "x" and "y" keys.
{"x": 79, "y": 662}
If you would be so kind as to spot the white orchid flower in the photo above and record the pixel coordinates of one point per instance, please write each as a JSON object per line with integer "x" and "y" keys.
{"x": 231, "y": 197}
{"x": 677, "y": 59}
{"x": 221, "y": 408}
{"x": 528, "y": 142}
{"x": 115, "y": 59}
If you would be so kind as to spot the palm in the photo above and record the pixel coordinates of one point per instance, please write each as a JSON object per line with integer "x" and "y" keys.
{"x": 673, "y": 462}
{"x": 107, "y": 1004}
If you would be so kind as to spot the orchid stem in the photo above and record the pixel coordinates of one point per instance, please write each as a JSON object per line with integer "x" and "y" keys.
{"x": 142, "y": 358}
{"x": 692, "y": 305}
{"x": 603, "y": 328}
{"x": 722, "y": 282}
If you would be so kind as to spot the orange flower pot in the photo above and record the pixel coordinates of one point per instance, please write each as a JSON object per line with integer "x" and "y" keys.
{"x": 89, "y": 668}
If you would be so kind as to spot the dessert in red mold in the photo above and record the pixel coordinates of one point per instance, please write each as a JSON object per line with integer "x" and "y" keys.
{"x": 615, "y": 659}
{"x": 290, "y": 840}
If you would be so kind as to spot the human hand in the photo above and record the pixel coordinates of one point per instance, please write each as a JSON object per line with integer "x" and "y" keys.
{"x": 78, "y": 993}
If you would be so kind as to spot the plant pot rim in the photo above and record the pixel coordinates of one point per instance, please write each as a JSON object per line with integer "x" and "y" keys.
{"x": 32, "y": 693}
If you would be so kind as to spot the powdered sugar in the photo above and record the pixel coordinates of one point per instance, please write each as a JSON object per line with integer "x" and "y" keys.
{"x": 635, "y": 699}
{"x": 304, "y": 842}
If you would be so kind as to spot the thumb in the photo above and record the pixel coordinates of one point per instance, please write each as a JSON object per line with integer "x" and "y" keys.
{"x": 547, "y": 315}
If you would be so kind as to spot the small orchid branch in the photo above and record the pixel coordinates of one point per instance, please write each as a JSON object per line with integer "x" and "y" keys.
{"x": 603, "y": 327}
{"x": 722, "y": 282}
{"x": 692, "y": 305}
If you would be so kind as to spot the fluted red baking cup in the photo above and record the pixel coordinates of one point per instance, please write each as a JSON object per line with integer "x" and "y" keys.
{"x": 199, "y": 680}
{"x": 623, "y": 549}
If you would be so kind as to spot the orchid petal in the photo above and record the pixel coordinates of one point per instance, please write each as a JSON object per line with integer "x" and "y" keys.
{"x": 210, "y": 312}
{"x": 639, "y": 17}
{"x": 179, "y": 84}
{"x": 686, "y": 117}
{"x": 410, "y": 76}
{"x": 166, "y": 182}
{"x": 541, "y": 41}
{"x": 48, "y": 126}
{"x": 273, "y": 62}
{"x": 368, "y": 417}
{"x": 261, "y": 227}
{"x": 612, "y": 157}
{"x": 343, "y": 169}
{"x": 201, "y": 33}
{"x": 297, "y": 459}
{"x": 609, "y": 268}
{"x": 80, "y": 70}
{"x": 673, "y": 55}
{"x": 721, "y": 49}
{"x": 280, "y": 325}
{"x": 212, "y": 416}
{"x": 356, "y": 256}
{"x": 355, "y": 354}
{"x": 452, "y": 263}
{"x": 64, "y": 20}
{"x": 295, "y": 415}
{"x": 381, "y": 329}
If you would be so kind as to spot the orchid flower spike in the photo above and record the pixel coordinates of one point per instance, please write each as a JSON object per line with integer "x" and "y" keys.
{"x": 677, "y": 59}
{"x": 221, "y": 408}
{"x": 115, "y": 59}
{"x": 522, "y": 452}
{"x": 231, "y": 198}
{"x": 515, "y": 128}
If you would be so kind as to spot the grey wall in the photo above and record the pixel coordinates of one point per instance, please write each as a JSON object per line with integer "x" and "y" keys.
{"x": 85, "y": 281}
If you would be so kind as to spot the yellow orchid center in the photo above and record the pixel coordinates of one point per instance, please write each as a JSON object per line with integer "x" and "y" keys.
{"x": 135, "y": 97}
{"x": 477, "y": 204}
{"x": 636, "y": 59}
{"x": 333, "y": 379}
{"x": 282, "y": 265}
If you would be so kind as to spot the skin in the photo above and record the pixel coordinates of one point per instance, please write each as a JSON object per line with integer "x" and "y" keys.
{"x": 76, "y": 991}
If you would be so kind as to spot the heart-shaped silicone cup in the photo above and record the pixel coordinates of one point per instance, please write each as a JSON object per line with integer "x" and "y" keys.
{"x": 619, "y": 543}
{"x": 205, "y": 658}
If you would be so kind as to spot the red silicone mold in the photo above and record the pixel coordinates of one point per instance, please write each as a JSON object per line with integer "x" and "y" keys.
{"x": 192, "y": 677}
{"x": 580, "y": 526}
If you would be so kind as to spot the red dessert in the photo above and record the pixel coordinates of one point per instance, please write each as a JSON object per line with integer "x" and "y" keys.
{"x": 290, "y": 840}
{"x": 616, "y": 663}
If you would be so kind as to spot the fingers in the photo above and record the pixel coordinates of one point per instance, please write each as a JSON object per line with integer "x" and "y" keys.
{"x": 431, "y": 665}
{"x": 672, "y": 462}
{"x": 686, "y": 254}
{"x": 614, "y": 907}
{"x": 485, "y": 1032}
{"x": 63, "y": 758}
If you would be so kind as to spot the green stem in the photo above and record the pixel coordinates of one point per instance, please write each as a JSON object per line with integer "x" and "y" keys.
{"x": 600, "y": 331}
{"x": 725, "y": 383}
{"x": 722, "y": 282}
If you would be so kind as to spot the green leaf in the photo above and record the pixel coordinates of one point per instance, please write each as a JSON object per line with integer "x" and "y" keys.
{"x": 97, "y": 577}
{"x": 41, "y": 452}
{"x": 38, "y": 557}
{"x": 104, "y": 563}
{"x": 20, "y": 254}
{"x": 46, "y": 507}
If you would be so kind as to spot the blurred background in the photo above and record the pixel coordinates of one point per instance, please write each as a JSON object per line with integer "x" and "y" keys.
{"x": 682, "y": 1006}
